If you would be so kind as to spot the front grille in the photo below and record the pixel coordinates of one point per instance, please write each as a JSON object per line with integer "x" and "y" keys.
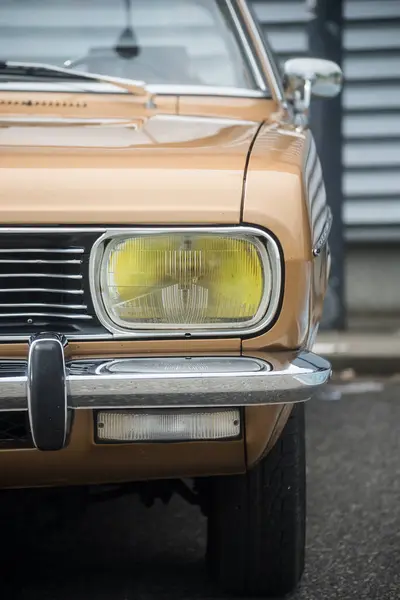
{"x": 44, "y": 284}
{"x": 14, "y": 430}
{"x": 41, "y": 283}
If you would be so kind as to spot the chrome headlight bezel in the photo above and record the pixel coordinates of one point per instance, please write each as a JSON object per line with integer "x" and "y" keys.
{"x": 265, "y": 243}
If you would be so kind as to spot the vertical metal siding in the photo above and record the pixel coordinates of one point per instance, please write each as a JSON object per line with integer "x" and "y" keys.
{"x": 371, "y": 99}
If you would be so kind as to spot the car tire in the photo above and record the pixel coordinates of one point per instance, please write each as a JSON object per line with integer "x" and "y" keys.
{"x": 256, "y": 521}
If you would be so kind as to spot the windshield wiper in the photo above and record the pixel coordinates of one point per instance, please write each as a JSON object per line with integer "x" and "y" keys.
{"x": 138, "y": 88}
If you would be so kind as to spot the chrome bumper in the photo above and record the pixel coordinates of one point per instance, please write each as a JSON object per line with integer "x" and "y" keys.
{"x": 48, "y": 386}
{"x": 172, "y": 382}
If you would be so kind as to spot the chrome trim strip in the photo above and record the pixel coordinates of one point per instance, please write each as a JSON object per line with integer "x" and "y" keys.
{"x": 44, "y": 305}
{"x": 221, "y": 120}
{"x": 40, "y": 290}
{"x": 271, "y": 254}
{"x": 259, "y": 79}
{"x": 38, "y": 261}
{"x": 206, "y": 90}
{"x": 254, "y": 30}
{"x": 36, "y": 250}
{"x": 46, "y": 275}
{"x": 154, "y": 89}
{"x": 73, "y": 121}
{"x": 72, "y": 337}
{"x": 177, "y": 382}
{"x": 323, "y": 238}
{"x": 51, "y": 229}
{"x": 45, "y": 314}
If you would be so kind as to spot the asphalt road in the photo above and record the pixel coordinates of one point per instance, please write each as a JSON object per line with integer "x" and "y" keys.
{"x": 123, "y": 551}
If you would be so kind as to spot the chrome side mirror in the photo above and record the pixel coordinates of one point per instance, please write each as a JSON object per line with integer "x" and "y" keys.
{"x": 308, "y": 77}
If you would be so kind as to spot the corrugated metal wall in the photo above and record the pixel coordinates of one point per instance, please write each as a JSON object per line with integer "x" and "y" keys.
{"x": 371, "y": 101}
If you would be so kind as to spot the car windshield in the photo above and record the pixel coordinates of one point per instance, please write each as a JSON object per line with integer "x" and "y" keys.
{"x": 173, "y": 42}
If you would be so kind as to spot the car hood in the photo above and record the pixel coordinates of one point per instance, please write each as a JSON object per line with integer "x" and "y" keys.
{"x": 163, "y": 169}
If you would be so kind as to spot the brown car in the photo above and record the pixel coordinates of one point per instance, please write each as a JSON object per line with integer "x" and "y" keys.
{"x": 163, "y": 265}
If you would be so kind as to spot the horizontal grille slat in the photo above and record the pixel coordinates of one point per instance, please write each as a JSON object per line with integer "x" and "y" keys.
{"x": 31, "y": 315}
{"x": 51, "y": 275}
{"x": 39, "y": 291}
{"x": 13, "y": 261}
{"x": 42, "y": 250}
{"x": 45, "y": 305}
{"x": 27, "y": 306}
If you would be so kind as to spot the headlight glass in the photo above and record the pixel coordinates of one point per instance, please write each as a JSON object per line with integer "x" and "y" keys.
{"x": 185, "y": 281}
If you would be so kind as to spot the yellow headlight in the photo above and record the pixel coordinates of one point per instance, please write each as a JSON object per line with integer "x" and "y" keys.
{"x": 185, "y": 281}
